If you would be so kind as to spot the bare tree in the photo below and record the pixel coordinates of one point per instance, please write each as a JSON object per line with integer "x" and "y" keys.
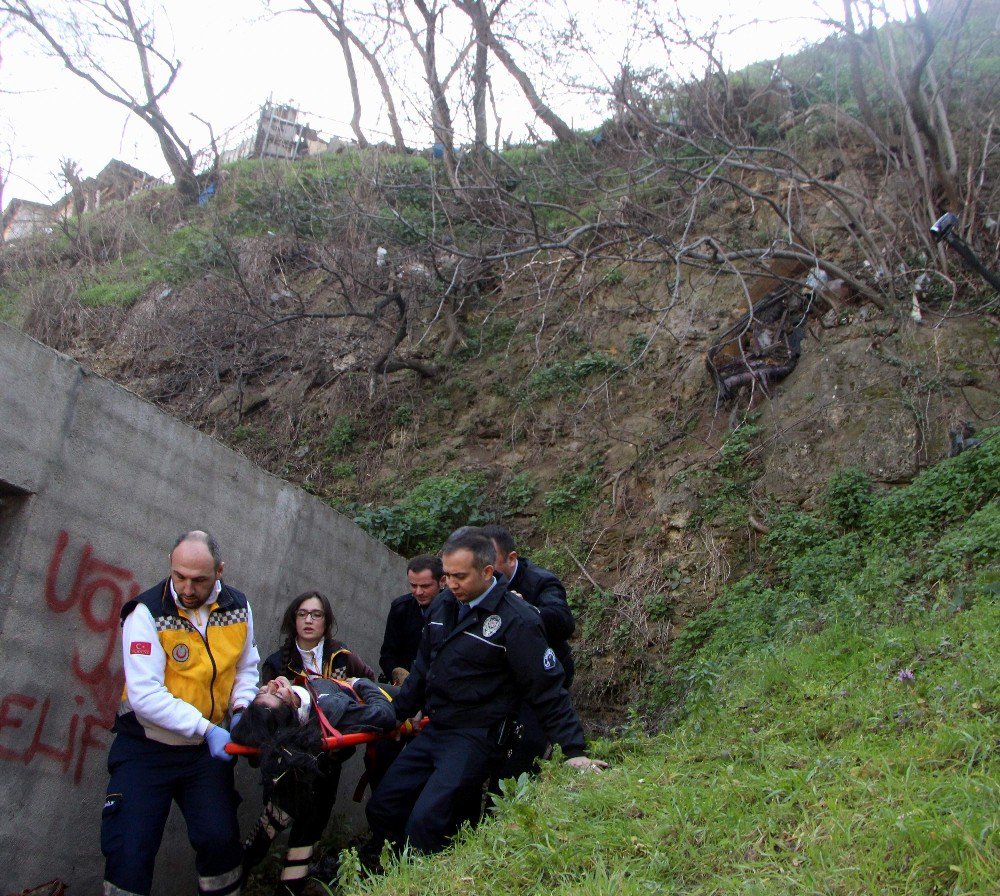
{"x": 937, "y": 136}
{"x": 333, "y": 20}
{"x": 425, "y": 42}
{"x": 81, "y": 36}
{"x": 484, "y": 22}
{"x": 69, "y": 170}
{"x": 6, "y": 161}
{"x": 333, "y": 15}
{"x": 480, "y": 71}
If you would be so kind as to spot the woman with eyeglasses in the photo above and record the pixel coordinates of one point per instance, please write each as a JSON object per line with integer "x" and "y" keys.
{"x": 308, "y": 647}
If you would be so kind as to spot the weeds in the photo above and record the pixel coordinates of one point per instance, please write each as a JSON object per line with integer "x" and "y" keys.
{"x": 834, "y": 741}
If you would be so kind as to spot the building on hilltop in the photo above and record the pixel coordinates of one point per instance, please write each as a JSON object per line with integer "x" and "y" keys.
{"x": 115, "y": 181}
{"x": 276, "y": 131}
{"x": 22, "y": 217}
{"x": 276, "y": 134}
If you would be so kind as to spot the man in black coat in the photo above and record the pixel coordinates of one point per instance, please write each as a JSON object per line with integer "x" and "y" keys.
{"x": 543, "y": 590}
{"x": 540, "y": 588}
{"x": 483, "y": 652}
{"x": 403, "y": 628}
{"x": 406, "y": 617}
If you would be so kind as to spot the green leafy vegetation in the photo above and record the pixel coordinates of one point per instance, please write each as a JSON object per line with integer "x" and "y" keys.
{"x": 567, "y": 502}
{"x": 519, "y": 492}
{"x": 724, "y": 488}
{"x": 422, "y": 520}
{"x": 562, "y": 378}
{"x": 9, "y": 306}
{"x": 340, "y": 436}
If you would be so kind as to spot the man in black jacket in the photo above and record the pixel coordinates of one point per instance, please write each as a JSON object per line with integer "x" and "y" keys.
{"x": 406, "y": 617}
{"x": 540, "y": 588}
{"x": 483, "y": 653}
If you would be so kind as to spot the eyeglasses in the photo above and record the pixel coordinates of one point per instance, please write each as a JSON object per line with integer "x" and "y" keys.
{"x": 309, "y": 614}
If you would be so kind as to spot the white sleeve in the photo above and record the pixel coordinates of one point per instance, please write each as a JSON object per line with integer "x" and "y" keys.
{"x": 305, "y": 703}
{"x": 144, "y": 662}
{"x": 245, "y": 683}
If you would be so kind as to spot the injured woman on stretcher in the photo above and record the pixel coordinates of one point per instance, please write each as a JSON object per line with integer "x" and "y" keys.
{"x": 287, "y": 723}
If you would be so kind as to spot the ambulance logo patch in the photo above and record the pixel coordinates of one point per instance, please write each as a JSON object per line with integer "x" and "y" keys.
{"x": 180, "y": 653}
{"x": 491, "y": 626}
{"x": 549, "y": 660}
{"x": 140, "y": 648}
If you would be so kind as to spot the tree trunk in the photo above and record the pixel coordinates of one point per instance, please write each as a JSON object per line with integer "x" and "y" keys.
{"x": 384, "y": 87}
{"x": 476, "y": 11}
{"x": 112, "y": 17}
{"x": 857, "y": 75}
{"x": 338, "y": 29}
{"x": 558, "y": 127}
{"x": 918, "y": 109}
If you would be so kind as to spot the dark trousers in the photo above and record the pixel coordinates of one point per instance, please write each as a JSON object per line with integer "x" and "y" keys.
{"x": 307, "y": 806}
{"x": 146, "y": 777}
{"x": 385, "y": 752}
{"x": 416, "y": 800}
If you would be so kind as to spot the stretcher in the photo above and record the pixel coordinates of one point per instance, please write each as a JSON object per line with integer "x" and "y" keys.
{"x": 337, "y": 741}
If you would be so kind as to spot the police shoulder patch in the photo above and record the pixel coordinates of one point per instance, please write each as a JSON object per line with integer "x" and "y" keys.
{"x": 491, "y": 626}
{"x": 549, "y": 659}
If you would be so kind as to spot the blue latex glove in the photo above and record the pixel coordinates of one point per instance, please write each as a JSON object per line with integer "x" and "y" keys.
{"x": 217, "y": 738}
{"x": 235, "y": 719}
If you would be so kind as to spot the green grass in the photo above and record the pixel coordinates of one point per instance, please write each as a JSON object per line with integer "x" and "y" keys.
{"x": 833, "y": 725}
{"x": 426, "y": 515}
{"x": 814, "y": 770}
{"x": 9, "y": 307}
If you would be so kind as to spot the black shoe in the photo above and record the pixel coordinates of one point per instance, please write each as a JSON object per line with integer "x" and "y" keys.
{"x": 370, "y": 856}
{"x": 326, "y": 869}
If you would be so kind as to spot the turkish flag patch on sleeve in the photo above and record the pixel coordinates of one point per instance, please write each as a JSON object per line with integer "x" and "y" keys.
{"x": 142, "y": 648}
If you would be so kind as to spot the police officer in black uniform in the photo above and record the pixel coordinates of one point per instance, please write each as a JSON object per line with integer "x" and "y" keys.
{"x": 540, "y": 588}
{"x": 483, "y": 651}
{"x": 543, "y": 590}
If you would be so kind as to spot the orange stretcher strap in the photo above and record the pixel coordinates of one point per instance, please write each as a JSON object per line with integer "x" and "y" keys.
{"x": 337, "y": 741}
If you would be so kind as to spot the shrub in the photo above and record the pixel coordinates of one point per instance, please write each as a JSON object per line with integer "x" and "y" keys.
{"x": 518, "y": 492}
{"x": 942, "y": 495}
{"x": 422, "y": 520}
{"x": 568, "y": 501}
{"x": 847, "y": 497}
{"x": 902, "y": 552}
{"x": 340, "y": 436}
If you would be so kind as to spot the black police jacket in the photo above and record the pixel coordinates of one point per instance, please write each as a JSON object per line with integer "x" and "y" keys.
{"x": 543, "y": 590}
{"x": 402, "y": 635}
{"x": 476, "y": 674}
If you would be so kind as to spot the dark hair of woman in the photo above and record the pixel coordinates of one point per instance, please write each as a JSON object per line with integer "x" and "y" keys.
{"x": 261, "y": 721}
{"x": 288, "y": 647}
{"x": 289, "y": 753}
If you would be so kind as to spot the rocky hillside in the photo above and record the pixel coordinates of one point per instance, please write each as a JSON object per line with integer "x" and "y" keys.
{"x": 634, "y": 350}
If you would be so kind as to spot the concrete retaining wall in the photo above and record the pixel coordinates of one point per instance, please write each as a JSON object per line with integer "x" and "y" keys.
{"x": 94, "y": 485}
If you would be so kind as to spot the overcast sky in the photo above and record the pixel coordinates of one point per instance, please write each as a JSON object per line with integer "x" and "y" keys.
{"x": 235, "y": 56}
